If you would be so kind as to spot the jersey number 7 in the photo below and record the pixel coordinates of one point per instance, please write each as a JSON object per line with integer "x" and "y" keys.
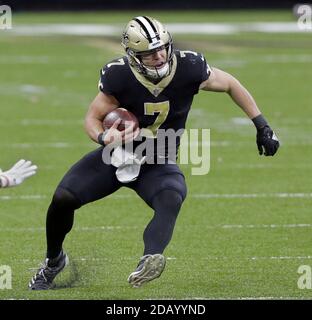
{"x": 162, "y": 108}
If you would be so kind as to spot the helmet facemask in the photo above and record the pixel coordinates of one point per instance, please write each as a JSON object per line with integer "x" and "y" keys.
{"x": 153, "y": 73}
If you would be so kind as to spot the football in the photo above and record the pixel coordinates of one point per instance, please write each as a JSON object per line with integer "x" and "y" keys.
{"x": 127, "y": 118}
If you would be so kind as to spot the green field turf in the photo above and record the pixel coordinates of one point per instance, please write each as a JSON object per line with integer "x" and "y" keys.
{"x": 237, "y": 236}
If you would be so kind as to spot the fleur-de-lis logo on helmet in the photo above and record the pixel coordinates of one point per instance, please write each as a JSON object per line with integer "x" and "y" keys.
{"x": 125, "y": 39}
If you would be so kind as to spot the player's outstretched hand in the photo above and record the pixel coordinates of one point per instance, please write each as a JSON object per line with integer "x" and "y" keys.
{"x": 17, "y": 174}
{"x": 267, "y": 140}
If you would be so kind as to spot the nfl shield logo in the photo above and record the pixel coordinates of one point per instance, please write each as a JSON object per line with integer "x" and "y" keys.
{"x": 156, "y": 92}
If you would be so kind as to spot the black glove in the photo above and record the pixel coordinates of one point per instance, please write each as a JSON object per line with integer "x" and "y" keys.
{"x": 267, "y": 140}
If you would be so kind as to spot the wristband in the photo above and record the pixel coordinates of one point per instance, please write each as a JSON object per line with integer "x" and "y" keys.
{"x": 259, "y": 121}
{"x": 101, "y": 137}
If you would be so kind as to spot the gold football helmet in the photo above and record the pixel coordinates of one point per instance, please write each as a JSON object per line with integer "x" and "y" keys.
{"x": 145, "y": 35}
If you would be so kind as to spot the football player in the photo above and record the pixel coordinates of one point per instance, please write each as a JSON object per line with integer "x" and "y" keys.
{"x": 17, "y": 174}
{"x": 157, "y": 84}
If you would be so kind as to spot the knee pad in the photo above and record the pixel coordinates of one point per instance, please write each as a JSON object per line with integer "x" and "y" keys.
{"x": 64, "y": 199}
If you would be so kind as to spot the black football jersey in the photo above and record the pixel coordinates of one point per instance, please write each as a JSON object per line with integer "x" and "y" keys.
{"x": 164, "y": 105}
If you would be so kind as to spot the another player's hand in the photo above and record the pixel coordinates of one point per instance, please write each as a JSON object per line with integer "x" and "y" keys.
{"x": 116, "y": 137}
{"x": 267, "y": 140}
{"x": 17, "y": 174}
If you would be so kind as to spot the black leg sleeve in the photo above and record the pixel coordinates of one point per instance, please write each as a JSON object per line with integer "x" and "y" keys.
{"x": 60, "y": 218}
{"x": 158, "y": 233}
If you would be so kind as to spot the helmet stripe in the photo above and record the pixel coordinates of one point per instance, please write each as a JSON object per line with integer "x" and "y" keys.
{"x": 150, "y": 33}
{"x": 153, "y": 27}
{"x": 145, "y": 30}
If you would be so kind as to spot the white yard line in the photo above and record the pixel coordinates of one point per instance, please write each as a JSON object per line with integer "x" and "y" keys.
{"x": 259, "y": 258}
{"x": 63, "y": 144}
{"x": 93, "y": 259}
{"x": 175, "y": 28}
{"x": 49, "y": 122}
{"x": 282, "y": 195}
{"x": 24, "y": 197}
{"x": 124, "y": 227}
{"x": 52, "y": 145}
{"x": 251, "y": 195}
{"x": 266, "y": 226}
{"x": 208, "y": 258}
